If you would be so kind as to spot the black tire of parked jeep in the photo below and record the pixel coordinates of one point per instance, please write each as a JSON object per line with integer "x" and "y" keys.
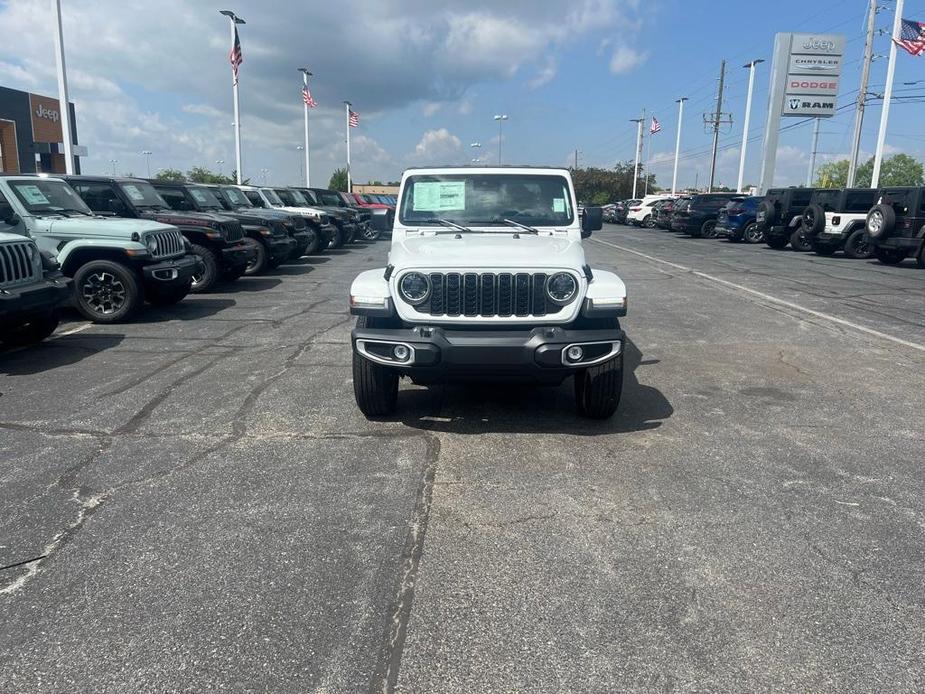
{"x": 887, "y": 221}
{"x": 858, "y": 245}
{"x": 598, "y": 389}
{"x": 106, "y": 292}
{"x": 36, "y": 330}
{"x": 813, "y": 220}
{"x": 708, "y": 229}
{"x": 167, "y": 296}
{"x": 920, "y": 258}
{"x": 337, "y": 240}
{"x": 824, "y": 249}
{"x": 375, "y": 387}
{"x": 260, "y": 262}
{"x": 752, "y": 233}
{"x": 313, "y": 247}
{"x": 889, "y": 256}
{"x": 799, "y": 242}
{"x": 778, "y": 243}
{"x": 205, "y": 281}
{"x": 371, "y": 234}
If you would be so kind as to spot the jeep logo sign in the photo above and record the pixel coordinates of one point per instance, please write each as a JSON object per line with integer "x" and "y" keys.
{"x": 47, "y": 113}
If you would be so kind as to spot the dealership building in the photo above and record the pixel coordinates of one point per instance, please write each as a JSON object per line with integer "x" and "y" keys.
{"x": 30, "y": 134}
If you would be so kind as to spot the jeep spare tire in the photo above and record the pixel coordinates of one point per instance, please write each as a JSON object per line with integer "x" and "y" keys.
{"x": 881, "y": 221}
{"x": 766, "y": 216}
{"x": 813, "y": 219}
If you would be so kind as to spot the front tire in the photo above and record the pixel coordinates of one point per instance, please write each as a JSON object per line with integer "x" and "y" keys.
{"x": 375, "y": 387}
{"x": 337, "y": 240}
{"x": 598, "y": 389}
{"x": 204, "y": 281}
{"x": 260, "y": 262}
{"x": 106, "y": 292}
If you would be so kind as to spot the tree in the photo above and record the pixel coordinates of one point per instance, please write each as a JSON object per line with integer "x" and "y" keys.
{"x": 898, "y": 170}
{"x": 169, "y": 175}
{"x": 338, "y": 180}
{"x": 601, "y": 186}
{"x": 199, "y": 174}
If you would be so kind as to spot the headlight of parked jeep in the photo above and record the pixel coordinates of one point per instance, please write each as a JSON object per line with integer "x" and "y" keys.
{"x": 561, "y": 288}
{"x": 414, "y": 287}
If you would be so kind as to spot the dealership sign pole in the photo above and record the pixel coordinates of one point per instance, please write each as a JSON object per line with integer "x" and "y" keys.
{"x": 64, "y": 103}
{"x": 805, "y": 75}
{"x": 887, "y": 96}
{"x": 306, "y": 98}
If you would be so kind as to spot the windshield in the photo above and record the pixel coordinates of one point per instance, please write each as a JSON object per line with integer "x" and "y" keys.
{"x": 205, "y": 198}
{"x": 538, "y": 200}
{"x": 234, "y": 197}
{"x": 293, "y": 197}
{"x": 272, "y": 197}
{"x": 332, "y": 199}
{"x": 142, "y": 194}
{"x": 48, "y": 197}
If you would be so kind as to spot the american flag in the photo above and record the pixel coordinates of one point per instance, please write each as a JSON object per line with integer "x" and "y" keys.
{"x": 236, "y": 57}
{"x": 912, "y": 37}
{"x": 656, "y": 127}
{"x": 307, "y": 98}
{"x": 353, "y": 118}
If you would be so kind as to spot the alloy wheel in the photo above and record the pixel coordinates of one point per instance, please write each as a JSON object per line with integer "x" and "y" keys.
{"x": 103, "y": 292}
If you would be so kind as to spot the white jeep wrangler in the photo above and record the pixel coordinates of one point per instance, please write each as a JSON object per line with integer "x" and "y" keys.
{"x": 487, "y": 280}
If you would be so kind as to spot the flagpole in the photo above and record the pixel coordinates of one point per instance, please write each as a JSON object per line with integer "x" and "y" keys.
{"x": 234, "y": 20}
{"x": 64, "y": 103}
{"x": 638, "y": 122}
{"x": 677, "y": 145}
{"x": 887, "y": 96}
{"x": 308, "y": 177}
{"x": 349, "y": 177}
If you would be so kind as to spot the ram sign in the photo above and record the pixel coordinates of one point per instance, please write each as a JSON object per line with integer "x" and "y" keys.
{"x": 813, "y": 73}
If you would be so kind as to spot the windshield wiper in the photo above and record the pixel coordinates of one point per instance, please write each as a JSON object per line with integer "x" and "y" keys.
{"x": 452, "y": 225}
{"x": 511, "y": 222}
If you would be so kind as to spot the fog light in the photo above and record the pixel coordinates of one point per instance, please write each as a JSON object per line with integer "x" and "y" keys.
{"x": 574, "y": 353}
{"x": 400, "y": 352}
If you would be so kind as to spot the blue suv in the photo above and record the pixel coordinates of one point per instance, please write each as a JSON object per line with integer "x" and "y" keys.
{"x": 736, "y": 221}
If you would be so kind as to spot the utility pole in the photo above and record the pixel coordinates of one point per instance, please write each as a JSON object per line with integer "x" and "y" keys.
{"x": 715, "y": 120}
{"x": 677, "y": 145}
{"x": 862, "y": 93}
{"x": 638, "y": 122}
{"x": 577, "y": 152}
{"x": 812, "y": 155}
{"x": 887, "y": 95}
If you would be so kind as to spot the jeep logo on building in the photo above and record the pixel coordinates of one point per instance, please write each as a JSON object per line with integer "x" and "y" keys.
{"x": 42, "y": 112}
{"x": 821, "y": 45}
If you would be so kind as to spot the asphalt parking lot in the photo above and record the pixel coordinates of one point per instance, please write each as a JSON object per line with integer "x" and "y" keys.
{"x": 192, "y": 502}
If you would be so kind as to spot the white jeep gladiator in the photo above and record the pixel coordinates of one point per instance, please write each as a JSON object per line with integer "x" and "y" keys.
{"x": 487, "y": 280}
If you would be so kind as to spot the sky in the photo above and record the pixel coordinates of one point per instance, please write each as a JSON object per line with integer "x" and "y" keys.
{"x": 428, "y": 76}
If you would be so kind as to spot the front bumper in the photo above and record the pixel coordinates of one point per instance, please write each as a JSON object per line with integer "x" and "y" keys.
{"x": 238, "y": 255}
{"x": 45, "y": 295}
{"x": 438, "y": 354}
{"x": 174, "y": 271}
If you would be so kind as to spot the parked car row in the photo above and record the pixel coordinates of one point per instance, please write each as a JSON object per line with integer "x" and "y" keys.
{"x": 107, "y": 245}
{"x": 887, "y": 223}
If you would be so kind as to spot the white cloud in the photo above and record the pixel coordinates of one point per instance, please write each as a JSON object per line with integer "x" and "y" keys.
{"x": 545, "y": 74}
{"x": 626, "y": 59}
{"x": 431, "y": 108}
{"x": 437, "y": 147}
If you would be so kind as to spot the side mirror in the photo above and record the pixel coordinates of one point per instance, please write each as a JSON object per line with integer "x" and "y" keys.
{"x": 8, "y": 216}
{"x": 592, "y": 219}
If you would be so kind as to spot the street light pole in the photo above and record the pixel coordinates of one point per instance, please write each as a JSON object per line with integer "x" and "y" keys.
{"x": 500, "y": 118}
{"x": 64, "y": 103}
{"x": 219, "y": 162}
{"x": 748, "y": 113}
{"x": 308, "y": 177}
{"x": 677, "y": 145}
{"x": 113, "y": 162}
{"x": 478, "y": 155}
{"x": 148, "y": 153}
{"x": 234, "y": 20}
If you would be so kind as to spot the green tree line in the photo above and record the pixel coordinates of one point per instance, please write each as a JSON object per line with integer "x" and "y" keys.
{"x": 898, "y": 170}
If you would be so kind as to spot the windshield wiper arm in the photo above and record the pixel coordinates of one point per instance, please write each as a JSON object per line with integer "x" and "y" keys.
{"x": 511, "y": 222}
{"x": 453, "y": 225}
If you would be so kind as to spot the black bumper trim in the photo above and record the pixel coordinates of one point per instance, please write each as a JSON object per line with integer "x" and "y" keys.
{"x": 175, "y": 271}
{"x": 44, "y": 295}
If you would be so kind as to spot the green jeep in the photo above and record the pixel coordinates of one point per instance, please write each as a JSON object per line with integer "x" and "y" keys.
{"x": 31, "y": 290}
{"x": 116, "y": 264}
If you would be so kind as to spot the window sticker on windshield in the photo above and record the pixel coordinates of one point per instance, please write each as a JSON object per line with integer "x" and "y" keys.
{"x": 133, "y": 192}
{"x": 558, "y": 204}
{"x": 33, "y": 195}
{"x": 199, "y": 196}
{"x": 439, "y": 196}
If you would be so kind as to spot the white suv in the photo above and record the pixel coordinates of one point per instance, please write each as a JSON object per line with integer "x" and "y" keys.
{"x": 487, "y": 280}
{"x": 641, "y": 214}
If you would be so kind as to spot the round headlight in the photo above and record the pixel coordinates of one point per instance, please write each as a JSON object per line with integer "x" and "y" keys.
{"x": 152, "y": 245}
{"x": 414, "y": 287}
{"x": 561, "y": 287}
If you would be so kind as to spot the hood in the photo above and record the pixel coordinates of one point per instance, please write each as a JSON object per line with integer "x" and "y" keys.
{"x": 488, "y": 250}
{"x": 263, "y": 214}
{"x": 97, "y": 227}
{"x": 197, "y": 218}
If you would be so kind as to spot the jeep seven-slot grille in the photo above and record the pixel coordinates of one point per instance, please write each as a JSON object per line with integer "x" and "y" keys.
{"x": 235, "y": 231}
{"x": 488, "y": 294}
{"x": 169, "y": 243}
{"x": 15, "y": 265}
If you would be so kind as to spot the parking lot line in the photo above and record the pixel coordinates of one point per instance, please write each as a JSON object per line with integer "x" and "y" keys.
{"x": 771, "y": 299}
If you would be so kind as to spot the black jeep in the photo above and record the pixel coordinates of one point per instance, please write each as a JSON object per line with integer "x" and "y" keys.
{"x": 896, "y": 225}
{"x": 834, "y": 221}
{"x": 780, "y": 217}
{"x": 217, "y": 239}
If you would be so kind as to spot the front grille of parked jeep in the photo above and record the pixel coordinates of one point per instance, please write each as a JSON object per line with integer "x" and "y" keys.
{"x": 16, "y": 266}
{"x": 488, "y": 294}
{"x": 235, "y": 231}
{"x": 169, "y": 243}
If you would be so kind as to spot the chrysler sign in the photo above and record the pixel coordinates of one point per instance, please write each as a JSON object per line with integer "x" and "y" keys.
{"x": 813, "y": 69}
